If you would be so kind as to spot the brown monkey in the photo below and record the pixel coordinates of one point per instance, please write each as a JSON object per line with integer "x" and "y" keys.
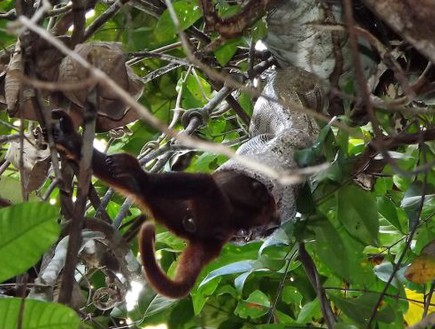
{"x": 204, "y": 209}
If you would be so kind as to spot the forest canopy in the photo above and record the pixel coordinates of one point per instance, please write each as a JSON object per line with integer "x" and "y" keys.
{"x": 179, "y": 85}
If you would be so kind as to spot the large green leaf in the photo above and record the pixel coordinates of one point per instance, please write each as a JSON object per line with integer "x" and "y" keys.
{"x": 331, "y": 249}
{"x": 360, "y": 308}
{"x": 388, "y": 209}
{"x": 234, "y": 268}
{"x": 188, "y": 12}
{"x": 357, "y": 211}
{"x": 36, "y": 315}
{"x": 26, "y": 231}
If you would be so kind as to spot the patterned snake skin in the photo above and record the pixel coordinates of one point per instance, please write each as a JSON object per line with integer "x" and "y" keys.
{"x": 307, "y": 60}
{"x": 277, "y": 131}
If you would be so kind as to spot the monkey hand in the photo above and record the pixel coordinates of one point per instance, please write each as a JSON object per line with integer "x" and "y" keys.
{"x": 125, "y": 167}
{"x": 66, "y": 138}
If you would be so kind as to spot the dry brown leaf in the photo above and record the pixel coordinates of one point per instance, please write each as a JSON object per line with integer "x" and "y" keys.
{"x": 13, "y": 82}
{"x": 108, "y": 57}
{"x": 36, "y": 161}
{"x": 422, "y": 270}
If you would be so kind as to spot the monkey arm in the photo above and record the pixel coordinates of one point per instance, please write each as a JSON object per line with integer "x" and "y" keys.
{"x": 173, "y": 198}
{"x": 124, "y": 173}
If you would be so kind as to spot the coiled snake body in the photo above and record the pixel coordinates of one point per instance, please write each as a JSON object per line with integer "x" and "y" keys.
{"x": 309, "y": 57}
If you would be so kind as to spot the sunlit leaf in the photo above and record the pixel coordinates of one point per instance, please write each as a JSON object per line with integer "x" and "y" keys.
{"x": 188, "y": 12}
{"x": 10, "y": 189}
{"x": 26, "y": 231}
{"x": 278, "y": 238}
{"x": 416, "y": 307}
{"x": 234, "y": 268}
{"x": 158, "y": 304}
{"x": 239, "y": 282}
{"x": 226, "y": 52}
{"x": 36, "y": 315}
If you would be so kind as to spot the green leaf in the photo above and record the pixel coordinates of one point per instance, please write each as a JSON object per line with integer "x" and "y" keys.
{"x": 413, "y": 195}
{"x": 345, "y": 326}
{"x": 27, "y": 230}
{"x": 304, "y": 202}
{"x": 10, "y": 189}
{"x": 239, "y": 282}
{"x": 207, "y": 162}
{"x": 234, "y": 268}
{"x": 309, "y": 312}
{"x": 259, "y": 30}
{"x": 158, "y": 304}
{"x": 290, "y": 295}
{"x": 360, "y": 308}
{"x": 198, "y": 87}
{"x": 412, "y": 199}
{"x": 255, "y": 306}
{"x": 331, "y": 249}
{"x": 188, "y": 12}
{"x": 36, "y": 315}
{"x": 388, "y": 210}
{"x": 384, "y": 272}
{"x": 357, "y": 211}
{"x": 278, "y": 238}
{"x": 226, "y": 52}
{"x": 202, "y": 293}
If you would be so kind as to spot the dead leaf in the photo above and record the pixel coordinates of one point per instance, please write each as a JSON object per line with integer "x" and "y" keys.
{"x": 12, "y": 82}
{"x": 108, "y": 57}
{"x": 422, "y": 270}
{"x": 36, "y": 161}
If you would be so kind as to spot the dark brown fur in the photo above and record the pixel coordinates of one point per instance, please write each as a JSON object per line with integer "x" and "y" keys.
{"x": 204, "y": 209}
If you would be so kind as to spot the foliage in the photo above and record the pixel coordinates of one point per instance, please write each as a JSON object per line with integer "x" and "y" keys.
{"x": 361, "y": 240}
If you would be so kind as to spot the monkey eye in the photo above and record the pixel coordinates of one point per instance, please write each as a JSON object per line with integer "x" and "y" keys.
{"x": 189, "y": 225}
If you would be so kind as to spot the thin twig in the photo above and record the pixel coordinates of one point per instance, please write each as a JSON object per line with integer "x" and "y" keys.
{"x": 313, "y": 276}
{"x": 83, "y": 184}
